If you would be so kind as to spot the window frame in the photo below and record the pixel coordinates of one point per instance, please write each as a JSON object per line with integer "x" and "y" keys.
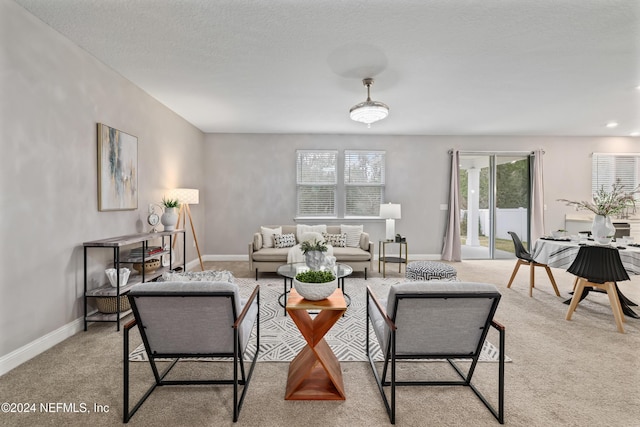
{"x": 301, "y": 184}
{"x": 349, "y": 182}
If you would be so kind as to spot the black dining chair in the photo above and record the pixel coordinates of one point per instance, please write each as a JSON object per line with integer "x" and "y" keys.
{"x": 598, "y": 267}
{"x": 525, "y": 258}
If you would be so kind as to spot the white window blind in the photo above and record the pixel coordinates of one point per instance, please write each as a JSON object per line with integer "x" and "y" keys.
{"x": 317, "y": 179}
{"x": 364, "y": 173}
{"x": 610, "y": 168}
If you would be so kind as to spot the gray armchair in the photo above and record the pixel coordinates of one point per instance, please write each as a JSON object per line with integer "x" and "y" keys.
{"x": 433, "y": 320}
{"x": 180, "y": 320}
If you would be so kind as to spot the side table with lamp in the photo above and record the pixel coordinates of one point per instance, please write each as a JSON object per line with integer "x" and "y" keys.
{"x": 390, "y": 212}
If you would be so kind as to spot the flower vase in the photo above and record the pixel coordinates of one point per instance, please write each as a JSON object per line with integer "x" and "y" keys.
{"x": 602, "y": 229}
{"x": 169, "y": 219}
{"x": 314, "y": 259}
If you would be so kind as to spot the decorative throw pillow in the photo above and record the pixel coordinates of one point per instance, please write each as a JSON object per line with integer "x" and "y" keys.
{"x": 337, "y": 240}
{"x": 284, "y": 240}
{"x": 199, "y": 276}
{"x": 267, "y": 236}
{"x": 353, "y": 234}
{"x": 310, "y": 236}
{"x": 302, "y": 228}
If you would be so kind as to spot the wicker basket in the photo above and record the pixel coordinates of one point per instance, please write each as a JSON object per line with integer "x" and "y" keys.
{"x": 109, "y": 304}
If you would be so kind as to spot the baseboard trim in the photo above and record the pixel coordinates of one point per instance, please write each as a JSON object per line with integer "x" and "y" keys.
{"x": 42, "y": 344}
{"x": 225, "y": 258}
{"x": 412, "y": 257}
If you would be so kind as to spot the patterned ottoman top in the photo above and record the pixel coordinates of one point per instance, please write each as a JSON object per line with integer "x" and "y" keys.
{"x": 430, "y": 270}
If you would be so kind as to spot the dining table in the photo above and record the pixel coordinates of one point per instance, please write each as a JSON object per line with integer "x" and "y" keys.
{"x": 560, "y": 253}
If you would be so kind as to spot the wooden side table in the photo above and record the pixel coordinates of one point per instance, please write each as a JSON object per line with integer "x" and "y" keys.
{"x": 384, "y": 259}
{"x": 315, "y": 373}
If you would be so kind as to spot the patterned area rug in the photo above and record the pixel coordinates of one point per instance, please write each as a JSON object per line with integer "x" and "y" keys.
{"x": 280, "y": 340}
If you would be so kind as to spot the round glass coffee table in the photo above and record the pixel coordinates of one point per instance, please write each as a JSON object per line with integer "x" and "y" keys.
{"x": 289, "y": 271}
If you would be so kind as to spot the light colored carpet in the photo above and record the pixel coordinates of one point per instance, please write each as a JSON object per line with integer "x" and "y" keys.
{"x": 280, "y": 340}
{"x": 564, "y": 373}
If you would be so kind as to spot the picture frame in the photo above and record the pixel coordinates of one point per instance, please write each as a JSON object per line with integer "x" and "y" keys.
{"x": 117, "y": 170}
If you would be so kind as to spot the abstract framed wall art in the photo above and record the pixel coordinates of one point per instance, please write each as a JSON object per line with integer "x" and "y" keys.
{"x": 117, "y": 170}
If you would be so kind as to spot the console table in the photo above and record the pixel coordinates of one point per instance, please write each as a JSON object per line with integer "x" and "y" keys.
{"x": 315, "y": 373}
{"x": 116, "y": 244}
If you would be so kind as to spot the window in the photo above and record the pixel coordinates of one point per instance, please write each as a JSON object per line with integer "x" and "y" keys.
{"x": 317, "y": 180}
{"x": 363, "y": 182}
{"x": 609, "y": 168}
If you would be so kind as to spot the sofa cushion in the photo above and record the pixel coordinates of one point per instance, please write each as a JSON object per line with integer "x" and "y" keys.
{"x": 284, "y": 240}
{"x": 333, "y": 229}
{"x": 336, "y": 240}
{"x": 271, "y": 255}
{"x": 364, "y": 241}
{"x": 353, "y": 234}
{"x": 302, "y": 228}
{"x": 311, "y": 236}
{"x": 350, "y": 254}
{"x": 267, "y": 236}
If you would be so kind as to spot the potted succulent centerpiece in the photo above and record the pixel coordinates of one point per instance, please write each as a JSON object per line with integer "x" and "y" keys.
{"x": 315, "y": 285}
{"x": 170, "y": 216}
{"x": 314, "y": 253}
{"x": 604, "y": 205}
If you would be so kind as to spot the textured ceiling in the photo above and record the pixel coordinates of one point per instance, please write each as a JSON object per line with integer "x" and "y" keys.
{"x": 444, "y": 67}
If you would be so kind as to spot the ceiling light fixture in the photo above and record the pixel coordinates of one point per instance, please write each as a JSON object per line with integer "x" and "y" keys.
{"x": 612, "y": 124}
{"x": 369, "y": 111}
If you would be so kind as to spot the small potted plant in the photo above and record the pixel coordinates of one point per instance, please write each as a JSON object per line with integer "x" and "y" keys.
{"x": 169, "y": 217}
{"x": 315, "y": 285}
{"x": 314, "y": 253}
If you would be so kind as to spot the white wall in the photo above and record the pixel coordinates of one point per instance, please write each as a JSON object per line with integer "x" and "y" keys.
{"x": 53, "y": 94}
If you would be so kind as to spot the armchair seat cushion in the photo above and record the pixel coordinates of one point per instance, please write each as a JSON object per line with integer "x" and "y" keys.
{"x": 413, "y": 318}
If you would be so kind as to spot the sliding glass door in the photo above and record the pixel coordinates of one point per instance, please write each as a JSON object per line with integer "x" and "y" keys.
{"x": 495, "y": 193}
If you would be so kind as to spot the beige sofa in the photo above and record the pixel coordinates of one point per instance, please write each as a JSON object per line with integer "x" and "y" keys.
{"x": 269, "y": 259}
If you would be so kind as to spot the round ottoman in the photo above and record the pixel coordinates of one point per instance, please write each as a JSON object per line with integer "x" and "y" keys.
{"x": 430, "y": 270}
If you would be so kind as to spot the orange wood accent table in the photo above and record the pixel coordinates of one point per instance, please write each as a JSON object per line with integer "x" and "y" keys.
{"x": 315, "y": 372}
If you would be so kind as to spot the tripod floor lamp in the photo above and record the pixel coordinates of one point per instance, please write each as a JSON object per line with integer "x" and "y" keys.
{"x": 186, "y": 197}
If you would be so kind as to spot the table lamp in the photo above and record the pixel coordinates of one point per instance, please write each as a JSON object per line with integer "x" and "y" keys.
{"x": 391, "y": 212}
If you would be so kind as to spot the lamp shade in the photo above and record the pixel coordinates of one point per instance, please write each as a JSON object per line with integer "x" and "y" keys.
{"x": 390, "y": 211}
{"x": 189, "y": 196}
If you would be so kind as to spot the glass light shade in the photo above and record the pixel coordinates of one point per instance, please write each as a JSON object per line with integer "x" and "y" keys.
{"x": 369, "y": 112}
{"x": 189, "y": 196}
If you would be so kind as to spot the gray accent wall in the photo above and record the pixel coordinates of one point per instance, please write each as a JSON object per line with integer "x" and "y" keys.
{"x": 52, "y": 95}
{"x": 250, "y": 180}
